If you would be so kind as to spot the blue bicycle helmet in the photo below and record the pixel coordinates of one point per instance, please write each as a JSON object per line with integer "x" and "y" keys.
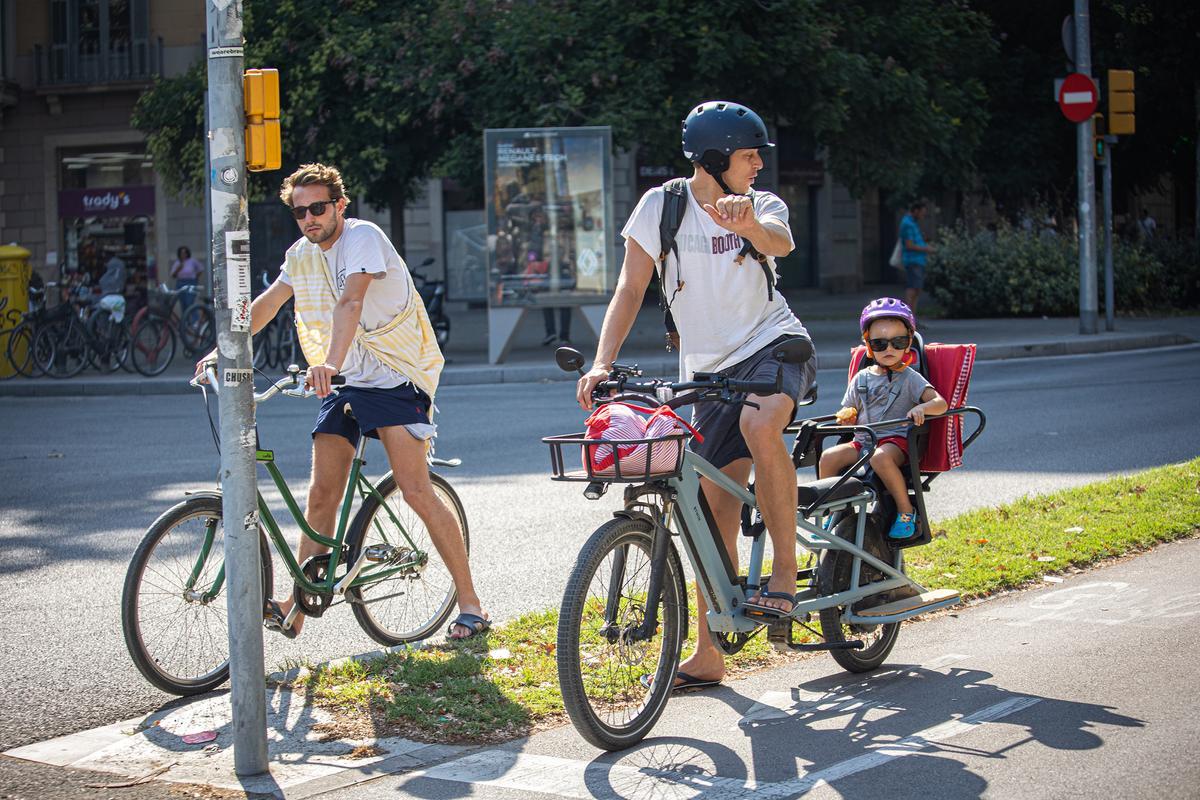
{"x": 715, "y": 129}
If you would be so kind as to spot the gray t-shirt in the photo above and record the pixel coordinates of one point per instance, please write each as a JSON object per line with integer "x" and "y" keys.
{"x": 902, "y": 393}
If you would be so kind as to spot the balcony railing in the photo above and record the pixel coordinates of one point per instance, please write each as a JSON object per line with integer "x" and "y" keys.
{"x": 61, "y": 65}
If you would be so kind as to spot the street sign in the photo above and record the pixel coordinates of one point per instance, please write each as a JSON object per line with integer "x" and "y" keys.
{"x": 1078, "y": 97}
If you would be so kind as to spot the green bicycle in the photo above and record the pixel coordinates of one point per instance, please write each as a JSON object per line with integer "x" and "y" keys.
{"x": 382, "y": 562}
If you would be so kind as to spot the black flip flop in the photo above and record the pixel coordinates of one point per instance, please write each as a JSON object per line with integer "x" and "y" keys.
{"x": 473, "y": 622}
{"x": 690, "y": 683}
{"x": 274, "y": 619}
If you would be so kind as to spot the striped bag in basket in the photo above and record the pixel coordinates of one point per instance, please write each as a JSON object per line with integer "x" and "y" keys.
{"x": 617, "y": 422}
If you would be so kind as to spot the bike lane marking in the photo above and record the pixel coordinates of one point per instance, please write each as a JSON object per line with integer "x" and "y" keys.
{"x": 561, "y": 777}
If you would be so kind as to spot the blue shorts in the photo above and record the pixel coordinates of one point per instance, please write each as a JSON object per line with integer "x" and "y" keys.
{"x": 373, "y": 409}
{"x": 914, "y": 276}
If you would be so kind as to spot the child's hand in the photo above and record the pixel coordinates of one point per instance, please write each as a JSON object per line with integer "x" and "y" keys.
{"x": 917, "y": 415}
{"x": 847, "y": 416}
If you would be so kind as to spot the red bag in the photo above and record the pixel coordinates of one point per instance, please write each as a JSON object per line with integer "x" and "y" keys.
{"x": 616, "y": 422}
{"x": 948, "y": 367}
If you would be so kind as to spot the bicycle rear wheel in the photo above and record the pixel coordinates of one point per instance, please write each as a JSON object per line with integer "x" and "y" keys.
{"x": 176, "y": 633}
{"x": 833, "y": 575}
{"x": 153, "y": 347}
{"x": 600, "y": 665}
{"x": 414, "y": 602}
{"x": 110, "y": 341}
{"x": 198, "y": 329}
{"x": 19, "y": 351}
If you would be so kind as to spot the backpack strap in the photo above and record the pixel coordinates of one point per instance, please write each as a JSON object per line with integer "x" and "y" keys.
{"x": 674, "y": 207}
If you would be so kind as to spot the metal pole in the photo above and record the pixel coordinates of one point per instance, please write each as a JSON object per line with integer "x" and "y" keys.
{"x": 231, "y": 273}
{"x": 1108, "y": 234}
{"x": 1086, "y": 178}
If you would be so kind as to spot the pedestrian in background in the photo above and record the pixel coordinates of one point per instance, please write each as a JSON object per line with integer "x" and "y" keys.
{"x": 186, "y": 271}
{"x": 1148, "y": 226}
{"x": 913, "y": 253}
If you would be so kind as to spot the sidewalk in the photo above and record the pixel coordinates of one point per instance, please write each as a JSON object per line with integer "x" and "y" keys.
{"x": 831, "y": 320}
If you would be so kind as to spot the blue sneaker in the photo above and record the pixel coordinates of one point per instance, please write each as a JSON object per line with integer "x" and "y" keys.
{"x": 905, "y": 527}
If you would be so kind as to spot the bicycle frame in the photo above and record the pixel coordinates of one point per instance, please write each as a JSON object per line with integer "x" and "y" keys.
{"x": 725, "y": 591}
{"x": 356, "y": 484}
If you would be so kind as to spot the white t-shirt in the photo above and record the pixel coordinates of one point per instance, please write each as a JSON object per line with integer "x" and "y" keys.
{"x": 363, "y": 247}
{"x": 722, "y": 311}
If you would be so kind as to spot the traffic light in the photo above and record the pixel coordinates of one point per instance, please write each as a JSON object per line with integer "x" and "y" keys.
{"x": 260, "y": 93}
{"x": 1120, "y": 102}
{"x": 1098, "y": 136}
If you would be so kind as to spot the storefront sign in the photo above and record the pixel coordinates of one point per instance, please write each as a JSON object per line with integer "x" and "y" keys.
{"x": 111, "y": 201}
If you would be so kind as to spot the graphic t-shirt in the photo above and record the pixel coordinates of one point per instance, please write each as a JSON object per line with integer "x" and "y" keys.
{"x": 722, "y": 312}
{"x": 902, "y": 393}
{"x": 363, "y": 247}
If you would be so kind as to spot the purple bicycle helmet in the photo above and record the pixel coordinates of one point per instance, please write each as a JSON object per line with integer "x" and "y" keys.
{"x": 887, "y": 308}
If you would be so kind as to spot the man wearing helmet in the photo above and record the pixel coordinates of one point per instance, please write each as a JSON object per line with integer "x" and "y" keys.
{"x": 729, "y": 317}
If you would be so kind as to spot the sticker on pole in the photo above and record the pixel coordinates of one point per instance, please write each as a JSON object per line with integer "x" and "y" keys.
{"x": 1077, "y": 97}
{"x": 237, "y": 278}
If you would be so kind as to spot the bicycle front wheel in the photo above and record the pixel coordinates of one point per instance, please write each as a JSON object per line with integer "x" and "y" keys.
{"x": 173, "y": 611}
{"x": 64, "y": 348}
{"x": 19, "y": 350}
{"x": 416, "y": 599}
{"x": 153, "y": 347}
{"x": 602, "y": 662}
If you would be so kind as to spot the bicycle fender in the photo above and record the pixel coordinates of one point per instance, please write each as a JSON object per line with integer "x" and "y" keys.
{"x": 213, "y": 493}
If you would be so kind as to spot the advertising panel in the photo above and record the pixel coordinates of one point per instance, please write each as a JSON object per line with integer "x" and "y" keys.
{"x": 549, "y": 216}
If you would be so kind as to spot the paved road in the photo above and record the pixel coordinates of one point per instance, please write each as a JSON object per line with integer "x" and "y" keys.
{"x": 1081, "y": 690}
{"x": 81, "y": 478}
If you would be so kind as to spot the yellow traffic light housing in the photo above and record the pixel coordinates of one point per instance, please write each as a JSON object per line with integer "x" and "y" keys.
{"x": 1098, "y": 136}
{"x": 260, "y": 93}
{"x": 1121, "y": 104}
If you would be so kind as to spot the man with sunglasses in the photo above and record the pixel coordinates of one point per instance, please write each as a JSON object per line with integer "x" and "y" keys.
{"x": 359, "y": 316}
{"x": 888, "y": 389}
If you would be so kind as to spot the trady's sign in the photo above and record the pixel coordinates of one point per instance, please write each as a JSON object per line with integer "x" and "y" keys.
{"x": 111, "y": 201}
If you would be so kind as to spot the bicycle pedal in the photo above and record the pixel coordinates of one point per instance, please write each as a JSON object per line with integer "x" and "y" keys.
{"x": 779, "y": 634}
{"x": 377, "y": 553}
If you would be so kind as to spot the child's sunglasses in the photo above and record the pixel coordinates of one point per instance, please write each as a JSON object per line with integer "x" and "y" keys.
{"x": 897, "y": 342}
{"x": 317, "y": 209}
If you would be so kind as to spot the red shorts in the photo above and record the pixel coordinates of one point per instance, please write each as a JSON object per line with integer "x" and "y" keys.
{"x": 899, "y": 441}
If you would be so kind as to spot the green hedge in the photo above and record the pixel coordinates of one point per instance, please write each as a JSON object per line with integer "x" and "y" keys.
{"x": 1012, "y": 273}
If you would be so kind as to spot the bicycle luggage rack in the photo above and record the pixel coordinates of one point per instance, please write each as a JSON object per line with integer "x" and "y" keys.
{"x": 675, "y": 442}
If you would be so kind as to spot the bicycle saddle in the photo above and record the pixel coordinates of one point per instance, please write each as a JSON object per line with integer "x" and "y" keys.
{"x": 809, "y": 493}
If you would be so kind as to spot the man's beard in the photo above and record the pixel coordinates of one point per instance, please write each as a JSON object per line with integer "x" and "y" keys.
{"x": 321, "y": 235}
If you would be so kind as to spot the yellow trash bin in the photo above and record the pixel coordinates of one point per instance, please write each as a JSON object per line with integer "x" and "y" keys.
{"x": 14, "y": 299}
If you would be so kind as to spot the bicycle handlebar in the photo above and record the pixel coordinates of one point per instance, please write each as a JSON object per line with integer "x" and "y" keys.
{"x": 290, "y": 386}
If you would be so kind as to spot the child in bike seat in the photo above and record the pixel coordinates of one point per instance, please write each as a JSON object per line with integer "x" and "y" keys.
{"x": 887, "y": 389}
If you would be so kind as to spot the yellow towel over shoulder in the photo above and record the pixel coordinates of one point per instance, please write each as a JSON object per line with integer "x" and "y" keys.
{"x": 410, "y": 349}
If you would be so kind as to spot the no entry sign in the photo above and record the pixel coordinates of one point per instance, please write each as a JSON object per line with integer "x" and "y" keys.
{"x": 1078, "y": 97}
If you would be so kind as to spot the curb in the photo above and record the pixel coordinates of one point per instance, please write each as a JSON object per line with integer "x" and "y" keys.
{"x": 534, "y": 373}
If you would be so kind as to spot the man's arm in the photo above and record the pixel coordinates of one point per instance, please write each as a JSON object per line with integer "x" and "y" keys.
{"x": 262, "y": 311}
{"x": 618, "y": 319}
{"x": 769, "y": 235}
{"x": 346, "y": 315}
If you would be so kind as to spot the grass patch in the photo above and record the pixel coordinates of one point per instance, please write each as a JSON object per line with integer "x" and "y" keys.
{"x": 505, "y": 684}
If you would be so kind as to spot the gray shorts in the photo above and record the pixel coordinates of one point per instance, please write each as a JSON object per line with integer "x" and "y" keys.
{"x": 719, "y": 423}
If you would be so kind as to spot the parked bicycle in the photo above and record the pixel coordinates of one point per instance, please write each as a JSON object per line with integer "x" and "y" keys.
{"x": 23, "y": 325}
{"x": 78, "y": 333}
{"x": 157, "y": 329}
{"x": 433, "y": 294}
{"x": 624, "y": 613}
{"x": 383, "y": 564}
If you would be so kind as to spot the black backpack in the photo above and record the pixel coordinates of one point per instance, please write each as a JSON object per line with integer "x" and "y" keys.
{"x": 675, "y": 203}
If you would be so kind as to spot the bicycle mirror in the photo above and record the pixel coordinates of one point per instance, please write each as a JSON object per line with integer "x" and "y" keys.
{"x": 797, "y": 350}
{"x": 569, "y": 359}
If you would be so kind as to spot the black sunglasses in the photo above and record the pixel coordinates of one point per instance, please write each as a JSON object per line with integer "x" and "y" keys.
{"x": 317, "y": 209}
{"x": 898, "y": 342}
